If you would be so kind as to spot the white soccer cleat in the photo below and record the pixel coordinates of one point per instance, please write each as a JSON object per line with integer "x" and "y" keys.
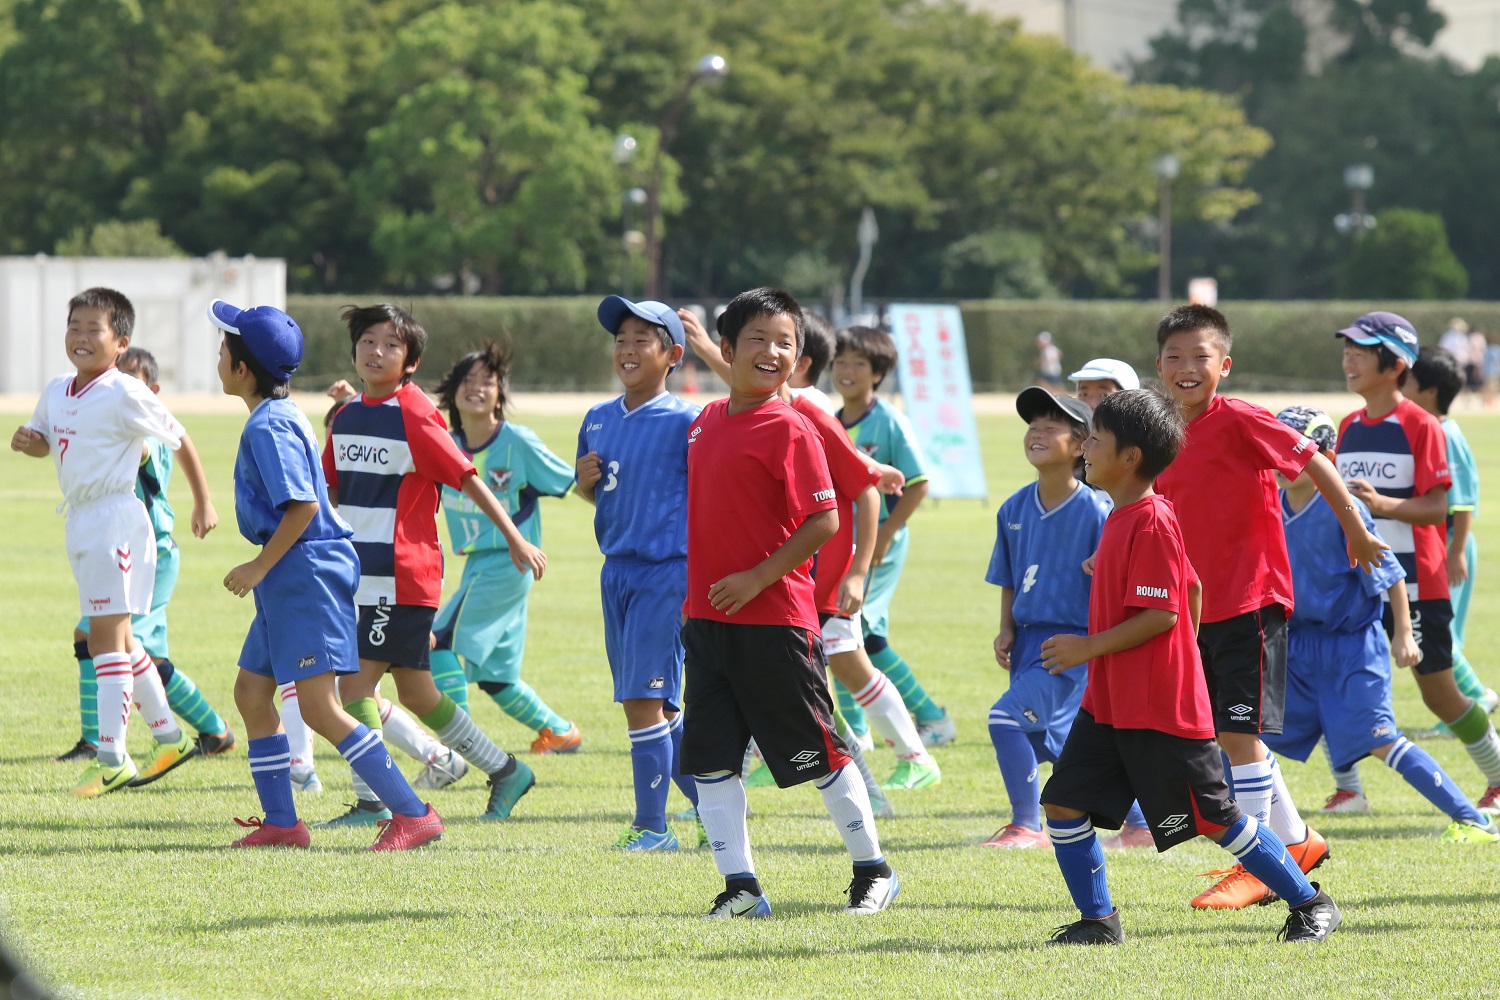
{"x": 869, "y": 895}
{"x": 939, "y": 732}
{"x": 1343, "y": 801}
{"x": 738, "y": 903}
{"x": 442, "y": 770}
{"x": 308, "y": 783}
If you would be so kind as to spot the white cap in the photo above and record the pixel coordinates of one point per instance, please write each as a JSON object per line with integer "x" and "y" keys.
{"x": 1109, "y": 368}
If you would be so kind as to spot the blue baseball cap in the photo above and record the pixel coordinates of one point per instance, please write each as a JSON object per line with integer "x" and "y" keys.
{"x": 271, "y": 336}
{"x": 1376, "y": 328}
{"x": 614, "y": 309}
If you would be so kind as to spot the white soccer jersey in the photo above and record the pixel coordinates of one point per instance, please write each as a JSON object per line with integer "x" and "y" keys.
{"x": 95, "y": 432}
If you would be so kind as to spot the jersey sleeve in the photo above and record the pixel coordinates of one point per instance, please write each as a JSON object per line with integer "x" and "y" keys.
{"x": 1429, "y": 448}
{"x": 39, "y": 421}
{"x": 999, "y": 572}
{"x": 546, "y": 472}
{"x": 434, "y": 453}
{"x": 1154, "y": 578}
{"x": 1272, "y": 444}
{"x": 1463, "y": 495}
{"x": 330, "y": 466}
{"x": 143, "y": 414}
{"x": 850, "y": 472}
{"x": 804, "y": 474}
{"x": 906, "y": 455}
{"x": 285, "y": 466}
{"x": 583, "y": 444}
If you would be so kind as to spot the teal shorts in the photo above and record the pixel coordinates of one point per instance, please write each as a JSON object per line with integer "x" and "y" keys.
{"x": 1465, "y": 590}
{"x": 880, "y": 586}
{"x": 151, "y": 628}
{"x": 484, "y": 622}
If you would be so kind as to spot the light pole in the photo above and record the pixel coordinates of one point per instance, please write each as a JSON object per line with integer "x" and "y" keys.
{"x": 1358, "y": 178}
{"x": 1166, "y": 169}
{"x": 631, "y": 240}
{"x": 710, "y": 67}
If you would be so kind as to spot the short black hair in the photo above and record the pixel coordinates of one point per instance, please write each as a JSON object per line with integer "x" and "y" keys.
{"x": 266, "y": 386}
{"x": 140, "y": 361}
{"x": 1144, "y": 419}
{"x": 1385, "y": 360}
{"x": 493, "y": 357}
{"x": 876, "y": 345}
{"x": 818, "y": 345}
{"x": 763, "y": 301}
{"x": 1437, "y": 369}
{"x": 361, "y": 318}
{"x": 121, "y": 312}
{"x": 1192, "y": 318}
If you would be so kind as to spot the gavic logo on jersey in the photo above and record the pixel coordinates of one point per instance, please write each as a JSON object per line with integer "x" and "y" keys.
{"x": 377, "y": 627}
{"x": 1158, "y": 592}
{"x": 1368, "y": 470}
{"x": 356, "y": 452}
{"x": 823, "y": 495}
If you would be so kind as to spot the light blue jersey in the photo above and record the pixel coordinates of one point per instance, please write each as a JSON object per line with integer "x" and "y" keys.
{"x": 884, "y": 433}
{"x": 641, "y": 502}
{"x": 1040, "y": 554}
{"x": 1463, "y": 495}
{"x": 518, "y": 468}
{"x": 151, "y": 487}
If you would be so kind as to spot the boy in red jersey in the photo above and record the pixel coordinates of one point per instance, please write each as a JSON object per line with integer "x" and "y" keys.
{"x": 1225, "y": 479}
{"x": 1145, "y": 729}
{"x": 760, "y": 503}
{"x": 1394, "y": 456}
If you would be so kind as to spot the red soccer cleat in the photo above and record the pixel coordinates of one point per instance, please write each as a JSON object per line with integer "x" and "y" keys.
{"x": 266, "y": 835}
{"x": 405, "y": 833}
{"x": 1130, "y": 837}
{"x": 1489, "y": 802}
{"x": 1018, "y": 837}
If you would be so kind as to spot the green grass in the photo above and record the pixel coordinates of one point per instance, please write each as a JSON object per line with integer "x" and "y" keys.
{"x": 133, "y": 895}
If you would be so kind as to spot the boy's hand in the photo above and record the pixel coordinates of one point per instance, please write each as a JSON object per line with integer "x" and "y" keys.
{"x": 1362, "y": 489}
{"x": 734, "y": 591}
{"x": 851, "y": 593}
{"x": 341, "y": 391}
{"x": 698, "y": 340}
{"x": 1367, "y": 552}
{"x": 1004, "y": 643}
{"x": 528, "y": 557}
{"x": 1088, "y": 564}
{"x": 28, "y": 441}
{"x": 882, "y": 545}
{"x": 1458, "y": 568}
{"x": 244, "y": 578}
{"x": 1064, "y": 652}
{"x": 589, "y": 470}
{"x": 1405, "y": 651}
{"x": 891, "y": 479}
{"x": 205, "y": 519}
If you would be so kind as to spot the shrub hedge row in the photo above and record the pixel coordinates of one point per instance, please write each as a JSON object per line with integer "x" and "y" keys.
{"x": 557, "y": 343}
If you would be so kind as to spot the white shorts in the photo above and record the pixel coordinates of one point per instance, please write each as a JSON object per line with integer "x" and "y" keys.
{"x": 112, "y": 550}
{"x": 843, "y": 635}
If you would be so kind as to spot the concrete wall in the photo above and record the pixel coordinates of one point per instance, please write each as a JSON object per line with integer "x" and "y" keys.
{"x": 171, "y": 298}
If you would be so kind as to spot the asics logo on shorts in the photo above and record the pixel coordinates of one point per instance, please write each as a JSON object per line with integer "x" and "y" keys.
{"x": 307, "y": 661}
{"x": 377, "y": 627}
{"x": 656, "y": 683}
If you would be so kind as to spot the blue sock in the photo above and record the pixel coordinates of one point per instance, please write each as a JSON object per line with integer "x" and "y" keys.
{"x": 651, "y": 764}
{"x": 271, "y": 769}
{"x": 372, "y": 762}
{"x": 1135, "y": 817}
{"x": 1428, "y": 777}
{"x": 1082, "y": 862}
{"x": 684, "y": 782}
{"x": 1264, "y": 855}
{"x": 1018, "y": 768}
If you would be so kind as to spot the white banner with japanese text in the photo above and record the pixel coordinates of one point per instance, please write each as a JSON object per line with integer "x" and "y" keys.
{"x": 933, "y": 367}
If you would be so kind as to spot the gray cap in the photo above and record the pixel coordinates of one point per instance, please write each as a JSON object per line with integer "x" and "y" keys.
{"x": 1035, "y": 401}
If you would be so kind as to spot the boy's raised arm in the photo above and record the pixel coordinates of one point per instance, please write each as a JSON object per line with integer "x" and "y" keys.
{"x": 1365, "y": 547}
{"x": 525, "y": 555}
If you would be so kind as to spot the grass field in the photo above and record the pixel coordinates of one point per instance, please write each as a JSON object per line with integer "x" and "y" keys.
{"x": 133, "y": 895}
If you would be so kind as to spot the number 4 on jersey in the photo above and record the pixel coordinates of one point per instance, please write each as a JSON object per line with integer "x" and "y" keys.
{"x": 1029, "y": 579}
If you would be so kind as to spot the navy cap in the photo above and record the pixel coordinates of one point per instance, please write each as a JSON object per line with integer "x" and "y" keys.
{"x": 271, "y": 336}
{"x": 614, "y": 309}
{"x": 1035, "y": 401}
{"x": 1313, "y": 423}
{"x": 1376, "y": 328}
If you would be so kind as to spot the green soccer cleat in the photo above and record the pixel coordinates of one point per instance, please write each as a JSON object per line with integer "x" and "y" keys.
{"x": 638, "y": 838}
{"x": 364, "y": 812}
{"x": 98, "y": 779}
{"x": 165, "y": 757}
{"x": 1469, "y": 833}
{"x": 911, "y": 775}
{"x": 507, "y": 786}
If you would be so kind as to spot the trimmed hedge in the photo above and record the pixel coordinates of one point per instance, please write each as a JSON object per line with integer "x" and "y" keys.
{"x": 557, "y": 343}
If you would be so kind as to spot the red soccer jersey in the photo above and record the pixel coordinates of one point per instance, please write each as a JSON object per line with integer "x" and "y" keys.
{"x": 851, "y": 474}
{"x": 1158, "y": 684}
{"x": 753, "y": 478}
{"x": 1223, "y": 489}
{"x": 386, "y": 457}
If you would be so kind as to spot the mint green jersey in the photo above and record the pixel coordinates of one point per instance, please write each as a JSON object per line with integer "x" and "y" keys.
{"x": 884, "y": 433}
{"x": 151, "y": 486}
{"x": 518, "y": 468}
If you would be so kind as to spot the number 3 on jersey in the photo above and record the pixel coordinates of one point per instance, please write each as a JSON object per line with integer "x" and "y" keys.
{"x": 1029, "y": 579}
{"x": 611, "y": 477}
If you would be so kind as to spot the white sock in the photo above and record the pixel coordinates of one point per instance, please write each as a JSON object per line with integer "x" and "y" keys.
{"x": 116, "y": 685}
{"x": 1286, "y": 822}
{"x": 1485, "y": 752}
{"x": 848, "y": 804}
{"x": 721, "y": 807}
{"x": 882, "y": 703}
{"x": 151, "y": 698}
{"x": 403, "y": 732}
{"x": 1251, "y": 785}
{"x": 299, "y": 739}
{"x": 1346, "y": 780}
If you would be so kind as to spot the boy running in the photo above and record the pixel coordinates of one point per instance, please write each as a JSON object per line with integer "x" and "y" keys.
{"x": 95, "y": 424}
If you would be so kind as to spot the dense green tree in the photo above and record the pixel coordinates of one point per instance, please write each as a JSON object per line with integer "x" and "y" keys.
{"x": 142, "y": 238}
{"x": 1405, "y": 257}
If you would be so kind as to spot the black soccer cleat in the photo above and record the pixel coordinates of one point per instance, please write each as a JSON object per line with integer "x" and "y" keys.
{"x": 81, "y": 752}
{"x": 1105, "y": 930}
{"x": 1313, "y": 921}
{"x": 213, "y": 744}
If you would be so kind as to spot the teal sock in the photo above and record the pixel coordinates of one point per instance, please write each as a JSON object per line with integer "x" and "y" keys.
{"x": 1463, "y": 675}
{"x": 521, "y": 703}
{"x": 187, "y": 701}
{"x": 850, "y": 710}
{"x": 448, "y": 674}
{"x": 889, "y": 662}
{"x": 88, "y": 694}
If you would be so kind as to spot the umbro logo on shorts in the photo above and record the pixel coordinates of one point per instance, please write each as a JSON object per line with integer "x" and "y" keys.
{"x": 1240, "y": 713}
{"x": 806, "y": 759}
{"x": 1173, "y": 823}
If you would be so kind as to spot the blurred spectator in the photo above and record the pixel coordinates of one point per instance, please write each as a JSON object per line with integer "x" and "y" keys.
{"x": 1048, "y": 362}
{"x": 1455, "y": 340}
{"x": 1474, "y": 373}
{"x": 1490, "y": 369}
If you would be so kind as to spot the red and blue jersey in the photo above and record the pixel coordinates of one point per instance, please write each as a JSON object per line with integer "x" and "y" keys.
{"x": 387, "y": 459}
{"x": 1403, "y": 454}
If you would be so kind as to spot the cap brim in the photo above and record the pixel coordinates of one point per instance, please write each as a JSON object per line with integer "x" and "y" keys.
{"x": 225, "y": 316}
{"x": 1355, "y": 335}
{"x": 1035, "y": 401}
{"x": 1083, "y": 373}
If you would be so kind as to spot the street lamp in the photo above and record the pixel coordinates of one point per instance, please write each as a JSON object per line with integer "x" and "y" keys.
{"x": 1358, "y": 178}
{"x": 630, "y": 239}
{"x": 1166, "y": 169}
{"x": 711, "y": 67}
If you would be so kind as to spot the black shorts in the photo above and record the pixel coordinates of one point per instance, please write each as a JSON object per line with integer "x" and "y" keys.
{"x": 1432, "y": 627}
{"x": 766, "y": 681}
{"x": 1179, "y": 782}
{"x": 398, "y": 634}
{"x": 1244, "y": 663}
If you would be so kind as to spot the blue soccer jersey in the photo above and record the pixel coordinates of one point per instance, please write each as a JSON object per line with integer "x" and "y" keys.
{"x": 518, "y": 468}
{"x": 1040, "y": 554}
{"x": 1332, "y": 595}
{"x": 641, "y": 502}
{"x": 278, "y": 462}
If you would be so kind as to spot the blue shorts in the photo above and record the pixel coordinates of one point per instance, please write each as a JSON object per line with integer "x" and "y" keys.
{"x": 1338, "y": 686}
{"x": 643, "y": 627}
{"x": 304, "y": 614}
{"x": 151, "y": 628}
{"x": 880, "y": 586}
{"x": 1042, "y": 703}
{"x": 484, "y": 622}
